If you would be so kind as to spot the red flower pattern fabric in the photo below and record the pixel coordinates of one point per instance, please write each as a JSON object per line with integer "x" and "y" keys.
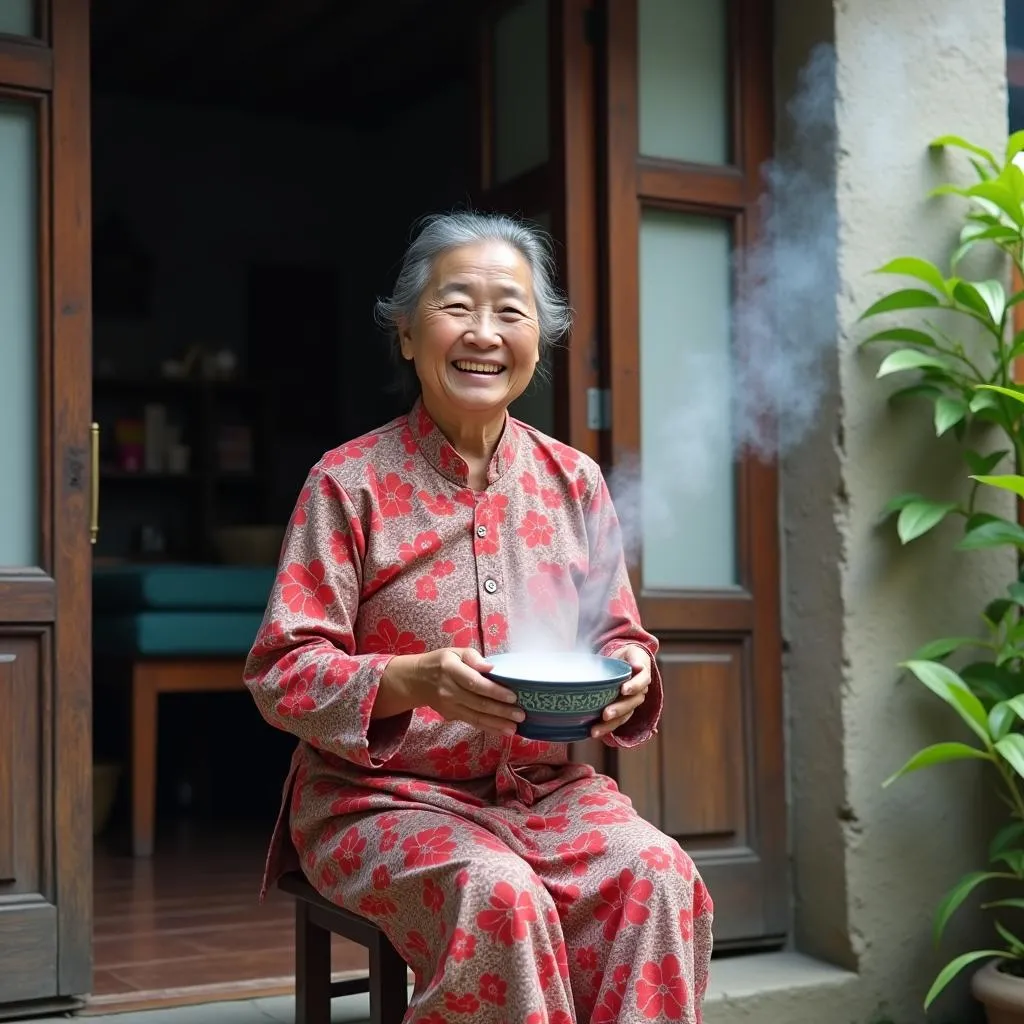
{"x": 518, "y": 885}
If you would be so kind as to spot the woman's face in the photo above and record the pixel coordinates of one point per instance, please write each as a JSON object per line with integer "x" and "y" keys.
{"x": 475, "y": 339}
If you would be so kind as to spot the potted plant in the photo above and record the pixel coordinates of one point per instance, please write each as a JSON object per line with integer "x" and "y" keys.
{"x": 955, "y": 336}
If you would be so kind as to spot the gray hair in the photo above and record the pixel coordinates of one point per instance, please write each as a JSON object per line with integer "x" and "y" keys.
{"x": 442, "y": 232}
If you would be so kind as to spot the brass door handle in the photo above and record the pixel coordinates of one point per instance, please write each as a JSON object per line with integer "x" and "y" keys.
{"x": 94, "y": 478}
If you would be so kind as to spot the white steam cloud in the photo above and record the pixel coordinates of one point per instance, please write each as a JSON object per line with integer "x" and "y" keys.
{"x": 760, "y": 394}
{"x": 737, "y": 368}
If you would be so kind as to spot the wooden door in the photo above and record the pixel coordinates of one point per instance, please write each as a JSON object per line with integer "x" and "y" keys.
{"x": 45, "y": 503}
{"x": 563, "y": 90}
{"x": 687, "y": 101}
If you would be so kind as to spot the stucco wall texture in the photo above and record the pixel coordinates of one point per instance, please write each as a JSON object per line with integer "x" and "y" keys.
{"x": 869, "y": 865}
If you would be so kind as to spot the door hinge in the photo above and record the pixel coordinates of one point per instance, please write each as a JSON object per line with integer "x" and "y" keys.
{"x": 599, "y": 408}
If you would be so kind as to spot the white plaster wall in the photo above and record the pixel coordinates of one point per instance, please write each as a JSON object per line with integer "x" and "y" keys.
{"x": 869, "y": 865}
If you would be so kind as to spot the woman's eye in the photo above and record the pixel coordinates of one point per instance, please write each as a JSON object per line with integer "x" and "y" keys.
{"x": 458, "y": 307}
{"x": 512, "y": 311}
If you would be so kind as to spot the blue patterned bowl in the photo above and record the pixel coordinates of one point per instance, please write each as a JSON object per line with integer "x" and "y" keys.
{"x": 563, "y": 694}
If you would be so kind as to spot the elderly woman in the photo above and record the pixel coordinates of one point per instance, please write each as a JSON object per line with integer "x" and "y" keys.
{"x": 519, "y": 886}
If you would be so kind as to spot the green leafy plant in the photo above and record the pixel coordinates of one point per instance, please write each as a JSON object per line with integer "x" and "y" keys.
{"x": 999, "y": 744}
{"x": 955, "y": 336}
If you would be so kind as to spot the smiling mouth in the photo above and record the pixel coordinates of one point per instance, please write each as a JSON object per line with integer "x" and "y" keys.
{"x": 486, "y": 369}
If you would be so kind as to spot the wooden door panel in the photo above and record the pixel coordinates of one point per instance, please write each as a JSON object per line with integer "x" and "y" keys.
{"x": 28, "y": 918}
{"x": 24, "y": 833}
{"x": 28, "y": 939}
{"x": 690, "y": 780}
{"x": 694, "y": 780}
{"x": 704, "y": 716}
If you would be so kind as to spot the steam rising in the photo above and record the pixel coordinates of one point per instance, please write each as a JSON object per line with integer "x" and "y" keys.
{"x": 764, "y": 397}
{"x": 760, "y": 395}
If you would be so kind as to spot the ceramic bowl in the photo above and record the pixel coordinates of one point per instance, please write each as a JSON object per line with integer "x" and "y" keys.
{"x": 563, "y": 694}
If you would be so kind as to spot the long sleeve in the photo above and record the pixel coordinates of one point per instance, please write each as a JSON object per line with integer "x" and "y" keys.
{"x": 609, "y": 617}
{"x": 304, "y": 670}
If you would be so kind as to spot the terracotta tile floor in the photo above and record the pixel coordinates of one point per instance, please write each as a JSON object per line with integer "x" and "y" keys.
{"x": 186, "y": 927}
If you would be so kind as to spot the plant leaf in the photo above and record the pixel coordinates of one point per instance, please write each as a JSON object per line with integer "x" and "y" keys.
{"x": 938, "y": 753}
{"x": 919, "y": 390}
{"x": 1016, "y": 394}
{"x": 1016, "y": 705}
{"x": 982, "y": 464}
{"x": 954, "y": 967}
{"x": 1010, "y": 939}
{"x": 982, "y": 400}
{"x": 918, "y": 517}
{"x": 948, "y": 413}
{"x": 992, "y": 680}
{"x": 947, "y": 685}
{"x": 910, "y": 335}
{"x": 1006, "y": 482}
{"x": 910, "y": 359}
{"x": 1015, "y": 902}
{"x": 994, "y": 296}
{"x": 997, "y": 233}
{"x": 997, "y": 610}
{"x": 955, "y": 897}
{"x": 901, "y": 501}
{"x": 968, "y": 295}
{"x": 999, "y": 193}
{"x": 912, "y": 266}
{"x": 1005, "y": 838}
{"x": 905, "y": 298}
{"x": 1013, "y": 859}
{"x": 961, "y": 143}
{"x": 1011, "y": 750}
{"x": 1014, "y": 145}
{"x": 993, "y": 534}
{"x": 1000, "y": 719}
{"x": 943, "y": 646}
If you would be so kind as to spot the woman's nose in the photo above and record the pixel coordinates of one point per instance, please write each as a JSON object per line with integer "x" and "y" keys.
{"x": 484, "y": 331}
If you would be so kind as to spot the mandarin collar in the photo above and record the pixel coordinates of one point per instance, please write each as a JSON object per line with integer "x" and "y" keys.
{"x": 438, "y": 451}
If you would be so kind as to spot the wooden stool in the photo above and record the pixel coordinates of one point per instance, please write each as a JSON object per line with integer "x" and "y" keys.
{"x": 315, "y": 920}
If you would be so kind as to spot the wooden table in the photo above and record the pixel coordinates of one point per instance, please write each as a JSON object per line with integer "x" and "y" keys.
{"x": 151, "y": 677}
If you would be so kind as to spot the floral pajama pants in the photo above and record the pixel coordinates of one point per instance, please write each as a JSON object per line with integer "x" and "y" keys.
{"x": 571, "y": 909}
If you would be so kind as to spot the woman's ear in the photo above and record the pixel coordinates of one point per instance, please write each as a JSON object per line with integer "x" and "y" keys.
{"x": 405, "y": 339}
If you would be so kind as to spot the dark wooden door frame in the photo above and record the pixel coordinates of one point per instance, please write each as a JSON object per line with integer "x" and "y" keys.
{"x": 52, "y": 600}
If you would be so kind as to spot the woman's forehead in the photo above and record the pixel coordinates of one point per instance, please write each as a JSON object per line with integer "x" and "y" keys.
{"x": 495, "y": 264}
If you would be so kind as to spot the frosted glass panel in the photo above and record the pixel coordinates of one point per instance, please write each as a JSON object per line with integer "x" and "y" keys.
{"x": 684, "y": 109}
{"x": 520, "y": 89}
{"x": 19, "y": 442}
{"x": 536, "y": 405}
{"x": 17, "y": 17}
{"x": 688, "y": 492}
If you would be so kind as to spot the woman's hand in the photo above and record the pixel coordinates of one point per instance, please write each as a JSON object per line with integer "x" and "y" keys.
{"x": 634, "y": 691}
{"x": 451, "y": 682}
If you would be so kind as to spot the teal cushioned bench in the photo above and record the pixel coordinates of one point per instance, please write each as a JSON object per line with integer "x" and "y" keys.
{"x": 132, "y": 588}
{"x": 176, "y": 634}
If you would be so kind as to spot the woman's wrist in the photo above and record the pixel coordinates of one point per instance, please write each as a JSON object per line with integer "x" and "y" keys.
{"x": 399, "y": 687}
